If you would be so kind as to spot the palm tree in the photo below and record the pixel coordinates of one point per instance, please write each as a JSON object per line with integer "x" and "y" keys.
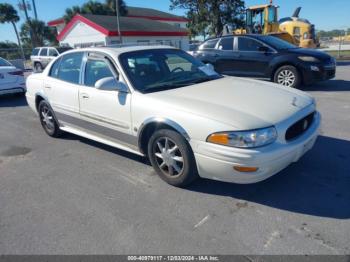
{"x": 8, "y": 14}
{"x": 45, "y": 34}
{"x": 71, "y": 12}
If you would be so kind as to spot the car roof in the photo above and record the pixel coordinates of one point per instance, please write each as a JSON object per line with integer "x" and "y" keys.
{"x": 116, "y": 51}
{"x": 257, "y": 36}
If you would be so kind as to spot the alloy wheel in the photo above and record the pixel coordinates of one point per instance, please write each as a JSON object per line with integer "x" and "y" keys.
{"x": 286, "y": 78}
{"x": 47, "y": 118}
{"x": 168, "y": 157}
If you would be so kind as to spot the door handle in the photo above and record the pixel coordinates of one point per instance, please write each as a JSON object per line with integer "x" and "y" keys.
{"x": 85, "y": 96}
{"x": 47, "y": 86}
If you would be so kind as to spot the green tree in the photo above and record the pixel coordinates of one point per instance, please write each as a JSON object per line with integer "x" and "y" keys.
{"x": 208, "y": 17}
{"x": 96, "y": 8}
{"x": 45, "y": 35}
{"x": 8, "y": 14}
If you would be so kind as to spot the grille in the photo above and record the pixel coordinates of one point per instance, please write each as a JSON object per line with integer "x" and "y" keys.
{"x": 300, "y": 127}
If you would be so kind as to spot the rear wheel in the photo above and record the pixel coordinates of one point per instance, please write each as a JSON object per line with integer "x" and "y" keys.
{"x": 287, "y": 76}
{"x": 172, "y": 158}
{"x": 48, "y": 120}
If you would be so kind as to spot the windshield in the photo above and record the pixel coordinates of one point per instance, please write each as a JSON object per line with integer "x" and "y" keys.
{"x": 162, "y": 69}
{"x": 276, "y": 42}
{"x": 3, "y": 62}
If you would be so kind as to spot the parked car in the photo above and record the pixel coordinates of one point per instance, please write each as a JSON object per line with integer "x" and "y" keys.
{"x": 267, "y": 57}
{"x": 42, "y": 56}
{"x": 162, "y": 103}
{"x": 11, "y": 78}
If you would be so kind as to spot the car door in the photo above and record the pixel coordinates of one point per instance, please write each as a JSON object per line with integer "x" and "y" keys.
{"x": 61, "y": 87}
{"x": 227, "y": 58}
{"x": 254, "y": 57}
{"x": 43, "y": 57}
{"x": 105, "y": 112}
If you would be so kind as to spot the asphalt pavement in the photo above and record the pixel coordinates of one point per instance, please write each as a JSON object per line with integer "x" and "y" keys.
{"x": 74, "y": 196}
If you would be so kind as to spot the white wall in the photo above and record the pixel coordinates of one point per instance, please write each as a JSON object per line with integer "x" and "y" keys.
{"x": 177, "y": 41}
{"x": 81, "y": 33}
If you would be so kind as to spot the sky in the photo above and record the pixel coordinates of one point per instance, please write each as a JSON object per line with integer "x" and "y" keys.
{"x": 325, "y": 14}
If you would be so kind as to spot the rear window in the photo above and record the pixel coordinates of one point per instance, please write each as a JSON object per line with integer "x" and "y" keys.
{"x": 210, "y": 44}
{"x": 35, "y": 51}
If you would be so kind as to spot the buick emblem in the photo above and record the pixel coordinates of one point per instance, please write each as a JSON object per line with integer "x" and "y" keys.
{"x": 305, "y": 124}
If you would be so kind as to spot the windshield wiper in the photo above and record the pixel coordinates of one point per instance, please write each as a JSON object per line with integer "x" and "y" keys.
{"x": 164, "y": 87}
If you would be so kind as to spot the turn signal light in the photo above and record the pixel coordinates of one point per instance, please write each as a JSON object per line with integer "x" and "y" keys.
{"x": 245, "y": 169}
{"x": 221, "y": 139}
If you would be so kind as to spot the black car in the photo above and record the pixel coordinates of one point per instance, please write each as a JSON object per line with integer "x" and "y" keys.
{"x": 267, "y": 57}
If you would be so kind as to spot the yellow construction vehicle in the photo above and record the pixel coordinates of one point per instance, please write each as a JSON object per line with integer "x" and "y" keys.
{"x": 263, "y": 19}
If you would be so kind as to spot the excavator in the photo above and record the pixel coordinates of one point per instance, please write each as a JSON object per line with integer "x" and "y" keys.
{"x": 263, "y": 19}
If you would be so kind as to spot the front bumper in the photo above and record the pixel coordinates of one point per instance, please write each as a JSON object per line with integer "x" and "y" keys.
{"x": 217, "y": 162}
{"x": 325, "y": 72}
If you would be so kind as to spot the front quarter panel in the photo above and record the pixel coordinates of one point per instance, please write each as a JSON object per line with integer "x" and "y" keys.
{"x": 145, "y": 109}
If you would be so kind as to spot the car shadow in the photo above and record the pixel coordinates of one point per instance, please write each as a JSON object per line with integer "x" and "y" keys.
{"x": 318, "y": 185}
{"x": 329, "y": 86}
{"x": 13, "y": 101}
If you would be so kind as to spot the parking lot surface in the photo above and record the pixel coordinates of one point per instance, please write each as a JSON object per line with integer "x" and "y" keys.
{"x": 74, "y": 196}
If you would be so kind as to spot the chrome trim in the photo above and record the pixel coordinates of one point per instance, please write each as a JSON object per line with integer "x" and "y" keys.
{"x": 102, "y": 130}
{"x": 162, "y": 120}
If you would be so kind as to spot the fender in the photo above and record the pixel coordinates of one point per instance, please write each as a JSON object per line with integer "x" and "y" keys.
{"x": 160, "y": 120}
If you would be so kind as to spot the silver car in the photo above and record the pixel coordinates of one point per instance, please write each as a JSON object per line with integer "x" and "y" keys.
{"x": 164, "y": 104}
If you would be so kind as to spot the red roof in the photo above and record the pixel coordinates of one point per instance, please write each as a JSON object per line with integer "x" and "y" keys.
{"x": 107, "y": 25}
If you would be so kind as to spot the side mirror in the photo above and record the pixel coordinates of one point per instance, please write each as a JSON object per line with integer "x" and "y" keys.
{"x": 111, "y": 84}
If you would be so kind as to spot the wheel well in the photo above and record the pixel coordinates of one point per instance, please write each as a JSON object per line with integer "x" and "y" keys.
{"x": 148, "y": 131}
{"x": 285, "y": 64}
{"x": 38, "y": 99}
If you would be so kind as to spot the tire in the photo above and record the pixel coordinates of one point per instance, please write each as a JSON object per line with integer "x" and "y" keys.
{"x": 287, "y": 76}
{"x": 48, "y": 120}
{"x": 177, "y": 165}
{"x": 38, "y": 68}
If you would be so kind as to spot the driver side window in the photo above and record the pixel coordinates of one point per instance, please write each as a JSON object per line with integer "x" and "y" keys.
{"x": 95, "y": 70}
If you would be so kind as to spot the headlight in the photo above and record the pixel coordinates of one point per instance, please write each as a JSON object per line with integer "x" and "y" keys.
{"x": 309, "y": 59}
{"x": 245, "y": 139}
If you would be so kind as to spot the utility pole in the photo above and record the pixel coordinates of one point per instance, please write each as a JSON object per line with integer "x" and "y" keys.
{"x": 34, "y": 8}
{"x": 118, "y": 21}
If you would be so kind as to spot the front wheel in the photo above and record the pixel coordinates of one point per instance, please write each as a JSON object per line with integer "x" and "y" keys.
{"x": 287, "y": 76}
{"x": 48, "y": 120}
{"x": 172, "y": 158}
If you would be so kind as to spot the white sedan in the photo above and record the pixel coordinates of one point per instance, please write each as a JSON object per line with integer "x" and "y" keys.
{"x": 11, "y": 78}
{"x": 162, "y": 103}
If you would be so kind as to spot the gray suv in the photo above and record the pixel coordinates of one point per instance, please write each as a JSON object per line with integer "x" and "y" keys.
{"x": 42, "y": 56}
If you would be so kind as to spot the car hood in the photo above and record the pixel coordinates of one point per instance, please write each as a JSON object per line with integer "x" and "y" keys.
{"x": 310, "y": 52}
{"x": 240, "y": 103}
